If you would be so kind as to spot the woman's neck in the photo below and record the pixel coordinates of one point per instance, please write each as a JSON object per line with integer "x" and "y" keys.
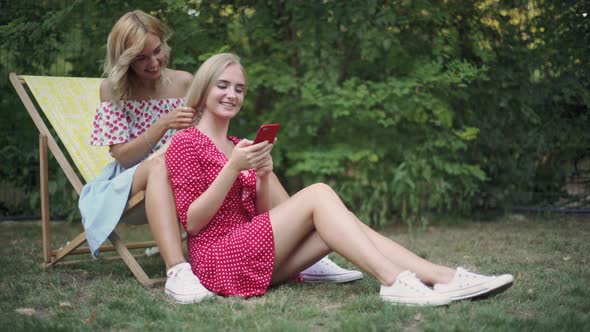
{"x": 146, "y": 89}
{"x": 149, "y": 86}
{"x": 215, "y": 128}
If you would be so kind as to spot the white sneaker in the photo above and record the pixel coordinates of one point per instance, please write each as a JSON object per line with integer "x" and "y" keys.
{"x": 183, "y": 286}
{"x": 409, "y": 290}
{"x": 467, "y": 284}
{"x": 327, "y": 271}
{"x": 155, "y": 250}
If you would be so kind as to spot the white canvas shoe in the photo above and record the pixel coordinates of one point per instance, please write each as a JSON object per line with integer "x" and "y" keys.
{"x": 465, "y": 284}
{"x": 184, "y": 286}
{"x": 327, "y": 271}
{"x": 155, "y": 250}
{"x": 409, "y": 290}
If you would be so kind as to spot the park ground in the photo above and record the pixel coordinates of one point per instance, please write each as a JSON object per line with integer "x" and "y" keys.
{"x": 548, "y": 255}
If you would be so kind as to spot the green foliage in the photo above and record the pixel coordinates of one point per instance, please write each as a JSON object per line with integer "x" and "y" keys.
{"x": 533, "y": 110}
{"x": 372, "y": 120}
{"x": 404, "y": 107}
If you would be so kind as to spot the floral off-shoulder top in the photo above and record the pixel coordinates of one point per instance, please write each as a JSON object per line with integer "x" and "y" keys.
{"x": 119, "y": 123}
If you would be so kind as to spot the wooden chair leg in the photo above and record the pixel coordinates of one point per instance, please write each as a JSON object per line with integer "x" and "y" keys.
{"x": 45, "y": 219}
{"x": 71, "y": 246}
{"x": 49, "y": 256}
{"x": 132, "y": 262}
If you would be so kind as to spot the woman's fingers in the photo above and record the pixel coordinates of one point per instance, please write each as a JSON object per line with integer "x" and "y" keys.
{"x": 244, "y": 143}
{"x": 265, "y": 167}
{"x": 181, "y": 117}
{"x": 256, "y": 161}
{"x": 189, "y": 111}
{"x": 252, "y": 156}
{"x": 262, "y": 153}
{"x": 261, "y": 148}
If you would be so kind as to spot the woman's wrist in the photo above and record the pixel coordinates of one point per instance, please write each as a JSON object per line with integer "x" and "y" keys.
{"x": 162, "y": 125}
{"x": 154, "y": 133}
{"x": 232, "y": 167}
{"x": 148, "y": 141}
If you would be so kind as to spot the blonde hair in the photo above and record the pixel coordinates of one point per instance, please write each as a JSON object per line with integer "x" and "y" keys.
{"x": 125, "y": 42}
{"x": 206, "y": 76}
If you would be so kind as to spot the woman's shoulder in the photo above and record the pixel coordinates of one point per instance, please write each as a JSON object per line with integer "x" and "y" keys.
{"x": 180, "y": 75}
{"x": 188, "y": 142}
{"x": 189, "y": 135}
{"x": 180, "y": 79}
{"x": 105, "y": 91}
{"x": 106, "y": 100}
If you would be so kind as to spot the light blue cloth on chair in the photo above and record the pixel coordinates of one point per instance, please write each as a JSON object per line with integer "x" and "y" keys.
{"x": 103, "y": 201}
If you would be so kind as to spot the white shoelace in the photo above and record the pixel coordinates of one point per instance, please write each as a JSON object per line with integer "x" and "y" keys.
{"x": 411, "y": 281}
{"x": 330, "y": 264}
{"x": 324, "y": 266}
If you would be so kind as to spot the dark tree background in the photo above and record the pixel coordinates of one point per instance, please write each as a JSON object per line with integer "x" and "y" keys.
{"x": 405, "y": 107}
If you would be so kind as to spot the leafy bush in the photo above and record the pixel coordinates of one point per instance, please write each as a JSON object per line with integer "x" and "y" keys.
{"x": 404, "y": 107}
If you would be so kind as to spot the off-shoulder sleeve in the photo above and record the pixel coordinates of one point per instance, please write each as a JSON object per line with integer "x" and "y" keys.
{"x": 110, "y": 125}
{"x": 184, "y": 169}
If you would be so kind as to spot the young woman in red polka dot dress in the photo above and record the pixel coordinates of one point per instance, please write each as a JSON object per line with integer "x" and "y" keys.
{"x": 239, "y": 245}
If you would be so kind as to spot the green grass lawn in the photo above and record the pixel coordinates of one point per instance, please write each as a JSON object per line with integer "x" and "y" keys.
{"x": 548, "y": 256}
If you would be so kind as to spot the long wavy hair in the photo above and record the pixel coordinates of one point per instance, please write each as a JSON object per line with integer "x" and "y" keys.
{"x": 205, "y": 77}
{"x": 125, "y": 42}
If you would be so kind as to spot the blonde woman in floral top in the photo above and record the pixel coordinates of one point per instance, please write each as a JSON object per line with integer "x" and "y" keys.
{"x": 139, "y": 112}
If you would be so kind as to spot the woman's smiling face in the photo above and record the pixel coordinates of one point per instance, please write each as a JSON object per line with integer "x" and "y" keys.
{"x": 148, "y": 63}
{"x": 226, "y": 96}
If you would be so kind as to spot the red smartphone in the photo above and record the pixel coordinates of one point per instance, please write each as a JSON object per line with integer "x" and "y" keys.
{"x": 267, "y": 132}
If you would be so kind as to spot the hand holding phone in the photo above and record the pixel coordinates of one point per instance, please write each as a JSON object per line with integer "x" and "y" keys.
{"x": 267, "y": 132}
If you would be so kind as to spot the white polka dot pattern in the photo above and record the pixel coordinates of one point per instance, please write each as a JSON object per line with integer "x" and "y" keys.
{"x": 234, "y": 253}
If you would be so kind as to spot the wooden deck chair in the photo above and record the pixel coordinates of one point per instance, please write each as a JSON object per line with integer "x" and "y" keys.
{"x": 69, "y": 105}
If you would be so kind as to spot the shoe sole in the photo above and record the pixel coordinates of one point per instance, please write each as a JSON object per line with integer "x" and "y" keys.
{"x": 188, "y": 299}
{"x": 492, "y": 287}
{"x": 335, "y": 278}
{"x": 409, "y": 301}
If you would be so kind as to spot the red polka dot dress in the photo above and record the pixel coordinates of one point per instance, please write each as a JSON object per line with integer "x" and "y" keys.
{"x": 233, "y": 254}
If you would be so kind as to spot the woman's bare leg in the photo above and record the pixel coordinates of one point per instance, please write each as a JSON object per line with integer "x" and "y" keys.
{"x": 313, "y": 246}
{"x": 396, "y": 254}
{"x": 318, "y": 208}
{"x": 311, "y": 249}
{"x": 425, "y": 270}
{"x": 302, "y": 260}
{"x": 152, "y": 176}
{"x": 181, "y": 284}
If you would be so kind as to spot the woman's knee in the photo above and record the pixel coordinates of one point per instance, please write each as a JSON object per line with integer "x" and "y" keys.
{"x": 321, "y": 188}
{"x": 158, "y": 167}
{"x": 319, "y": 192}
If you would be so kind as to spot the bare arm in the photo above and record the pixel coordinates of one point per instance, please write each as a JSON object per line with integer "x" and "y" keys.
{"x": 204, "y": 208}
{"x": 135, "y": 150}
{"x": 132, "y": 152}
{"x": 161, "y": 150}
{"x": 264, "y": 200}
{"x": 278, "y": 194}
